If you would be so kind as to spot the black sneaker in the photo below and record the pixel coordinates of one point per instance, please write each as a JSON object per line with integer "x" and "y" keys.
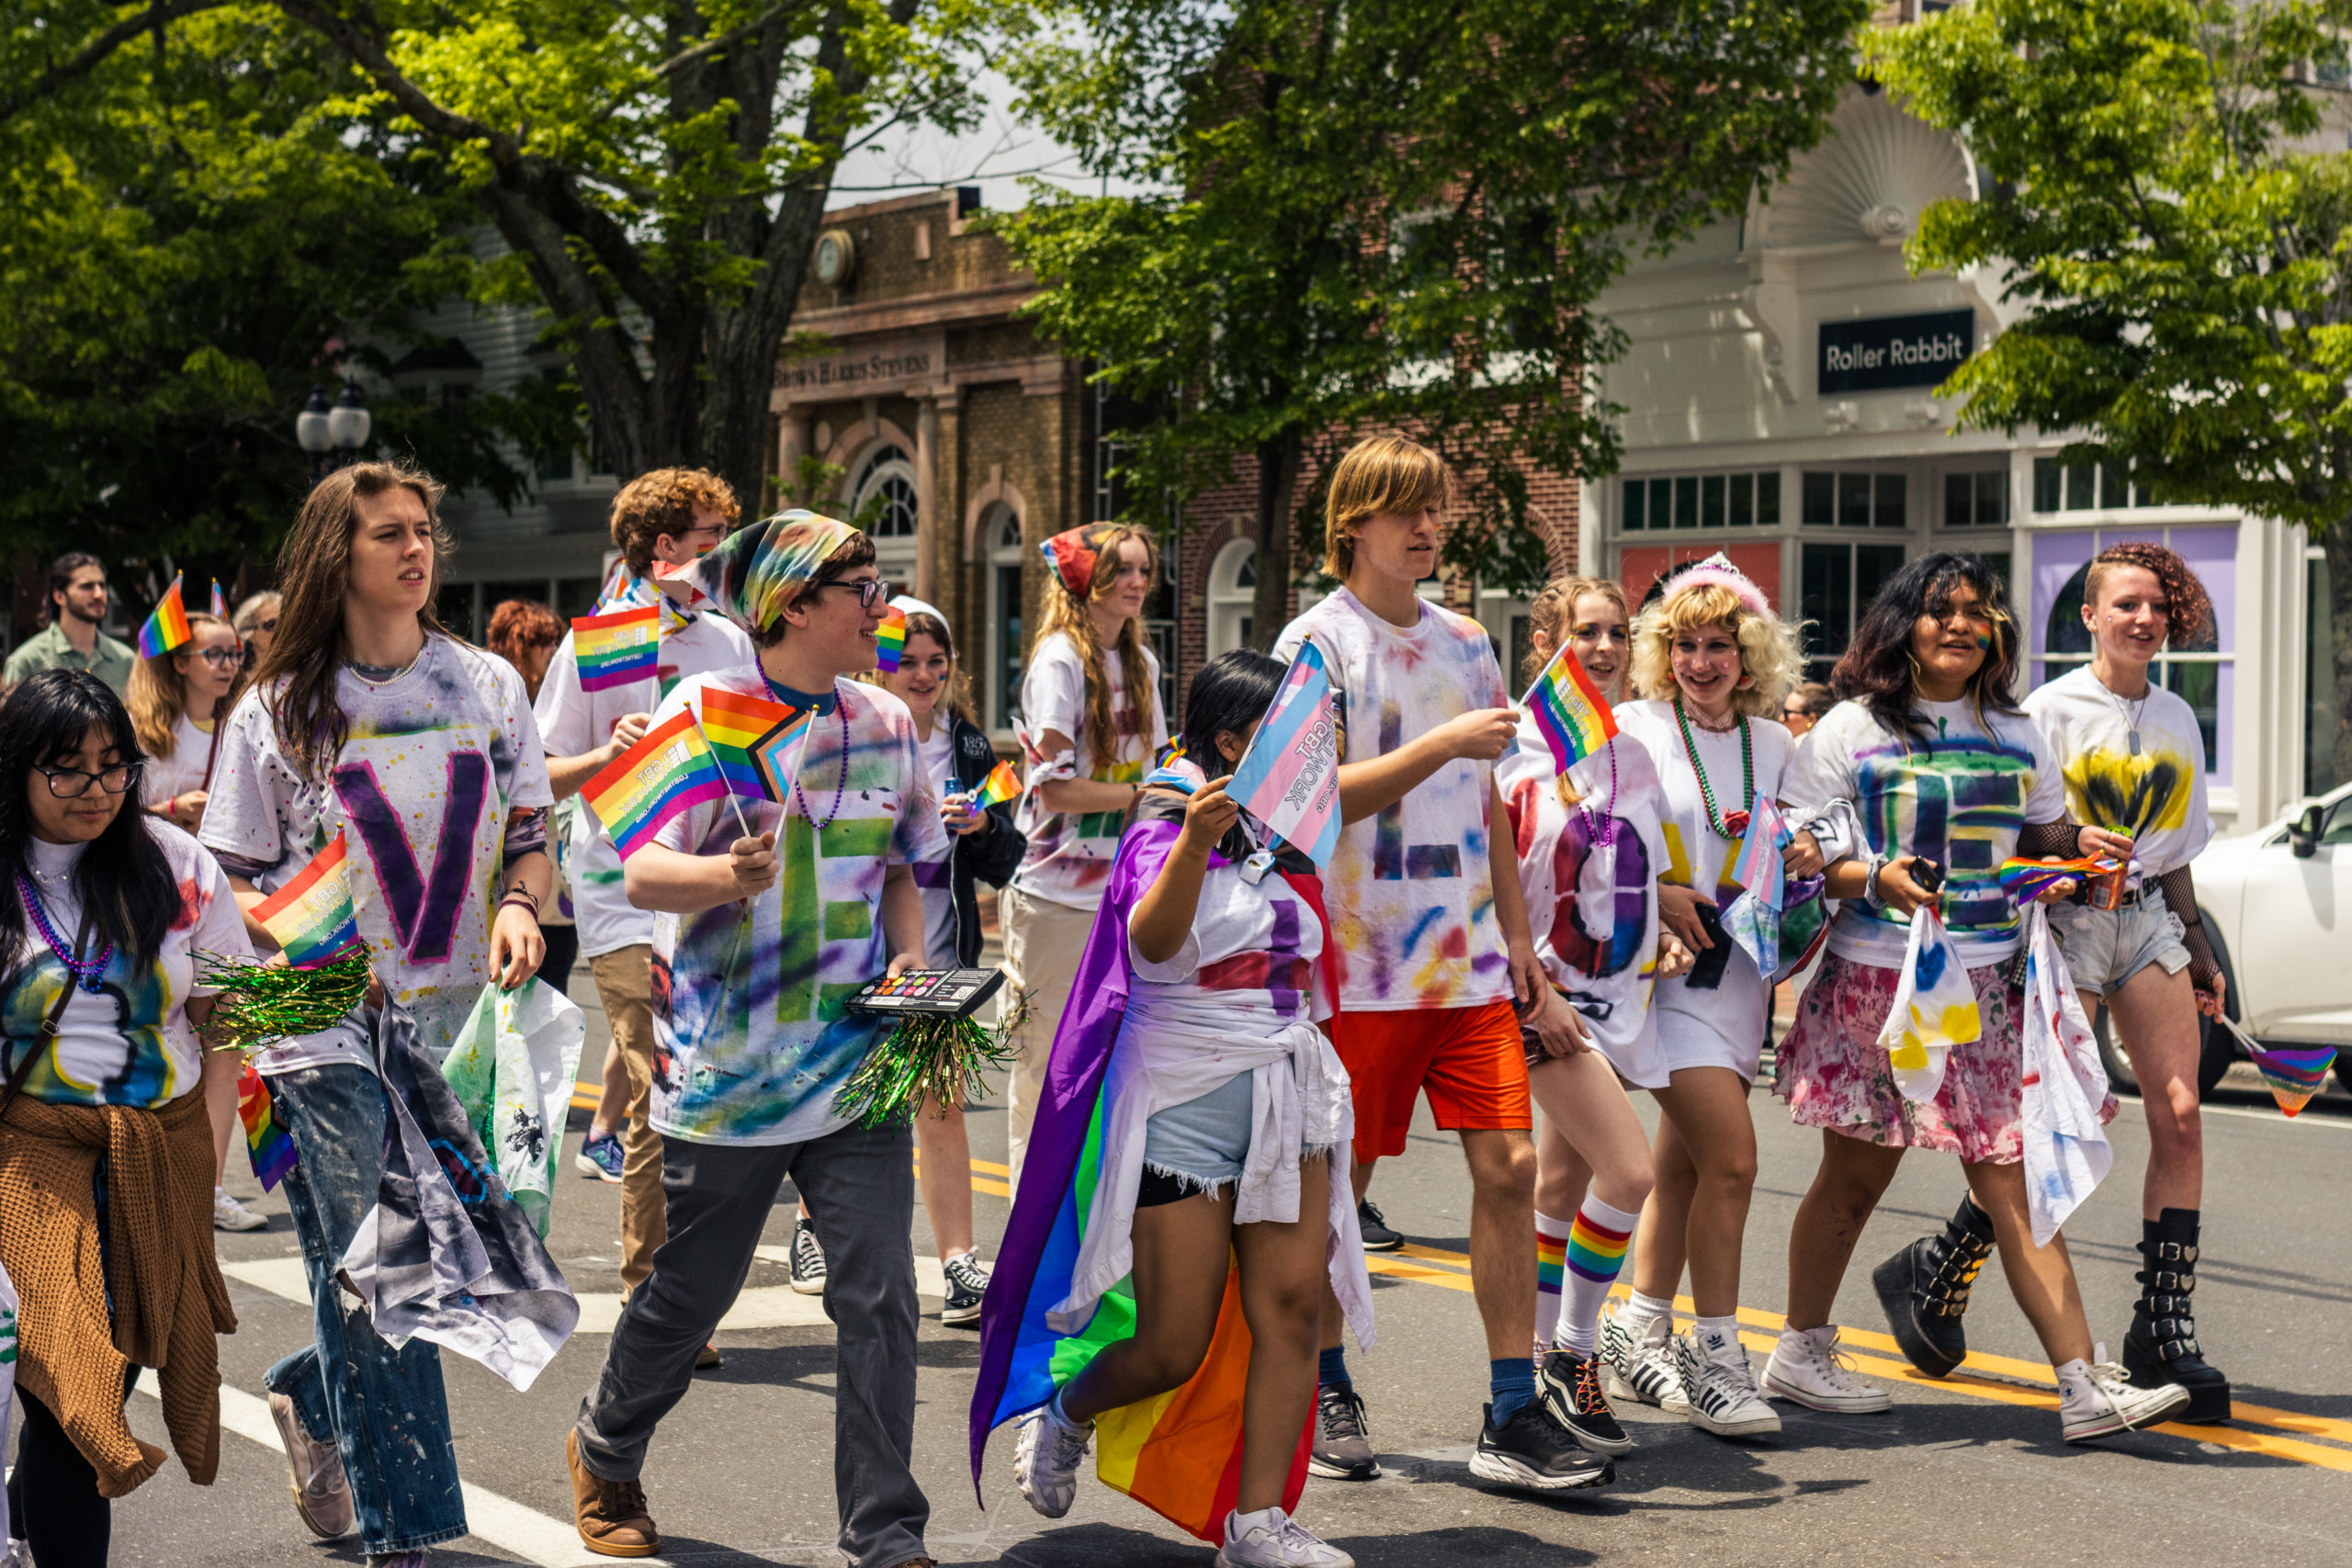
{"x": 807, "y": 1259}
{"x": 1534, "y": 1451}
{"x": 1377, "y": 1236}
{"x": 967, "y": 1281}
{"x": 1343, "y": 1449}
{"x": 1569, "y": 1384}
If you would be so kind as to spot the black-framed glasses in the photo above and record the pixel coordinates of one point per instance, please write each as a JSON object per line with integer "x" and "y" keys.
{"x": 73, "y": 783}
{"x": 217, "y": 657}
{"x": 868, "y": 589}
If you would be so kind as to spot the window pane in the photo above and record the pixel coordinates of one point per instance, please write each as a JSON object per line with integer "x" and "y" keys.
{"x": 1767, "y": 500}
{"x": 1826, "y": 603}
{"x": 1992, "y": 497}
{"x": 1820, "y": 500}
{"x": 1686, "y": 501}
{"x": 2114, "y": 484}
{"x": 1636, "y": 492}
{"x": 1853, "y": 501}
{"x": 1960, "y": 500}
{"x": 1006, "y": 698}
{"x": 1743, "y": 500}
{"x": 1661, "y": 504}
{"x": 2200, "y": 685}
{"x": 2318, "y": 694}
{"x": 1888, "y": 504}
{"x": 1873, "y": 564}
{"x": 2079, "y": 481}
{"x": 1711, "y": 501}
{"x": 2064, "y": 631}
{"x": 2045, "y": 484}
{"x": 1999, "y": 561}
{"x": 577, "y": 596}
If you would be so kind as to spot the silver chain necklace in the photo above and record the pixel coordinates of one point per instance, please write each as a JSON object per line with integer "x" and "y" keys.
{"x": 2131, "y": 714}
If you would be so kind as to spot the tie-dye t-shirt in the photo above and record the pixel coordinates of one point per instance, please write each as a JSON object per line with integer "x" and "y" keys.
{"x": 1958, "y": 796}
{"x": 440, "y": 780}
{"x": 1590, "y": 871}
{"x": 572, "y": 722}
{"x": 1410, "y": 889}
{"x": 750, "y": 1039}
{"x": 1070, "y": 856}
{"x": 1249, "y": 963}
{"x": 128, "y": 1044}
{"x": 2157, "y": 795}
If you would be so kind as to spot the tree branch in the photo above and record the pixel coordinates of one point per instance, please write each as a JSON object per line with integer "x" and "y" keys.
{"x": 159, "y": 15}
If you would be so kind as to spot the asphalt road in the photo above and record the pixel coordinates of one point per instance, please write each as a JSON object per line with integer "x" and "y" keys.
{"x": 1968, "y": 1472}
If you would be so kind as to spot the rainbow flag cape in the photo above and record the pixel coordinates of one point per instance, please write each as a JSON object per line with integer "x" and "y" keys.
{"x": 1569, "y": 710}
{"x": 615, "y": 650}
{"x": 167, "y": 629}
{"x": 220, "y": 602}
{"x": 311, "y": 915}
{"x": 734, "y": 723}
{"x": 1179, "y": 1455}
{"x": 2294, "y": 1073}
{"x": 775, "y": 756}
{"x": 2025, "y": 880}
{"x": 267, "y": 1143}
{"x": 1000, "y": 786}
{"x": 892, "y": 638}
{"x": 654, "y": 780}
{"x": 1289, "y": 779}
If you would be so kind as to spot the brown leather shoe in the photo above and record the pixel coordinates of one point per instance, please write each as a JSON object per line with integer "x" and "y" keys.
{"x": 610, "y": 1515}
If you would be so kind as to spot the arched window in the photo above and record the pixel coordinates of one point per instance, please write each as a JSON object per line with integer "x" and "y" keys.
{"x": 1001, "y": 528}
{"x": 1233, "y": 586}
{"x": 887, "y": 483}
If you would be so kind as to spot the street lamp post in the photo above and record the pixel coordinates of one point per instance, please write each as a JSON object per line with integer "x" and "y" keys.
{"x": 331, "y": 435}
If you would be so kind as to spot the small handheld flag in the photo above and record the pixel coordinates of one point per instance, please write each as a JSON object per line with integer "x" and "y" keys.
{"x": 733, "y": 723}
{"x": 891, "y": 638}
{"x": 769, "y": 757}
{"x": 269, "y": 1144}
{"x": 1757, "y": 867}
{"x": 2025, "y": 880}
{"x": 1000, "y": 786}
{"x": 2294, "y": 1072}
{"x": 1289, "y": 780}
{"x": 618, "y": 648}
{"x": 669, "y": 771}
{"x": 167, "y": 629}
{"x": 1569, "y": 710}
{"x": 220, "y": 602}
{"x": 310, "y": 917}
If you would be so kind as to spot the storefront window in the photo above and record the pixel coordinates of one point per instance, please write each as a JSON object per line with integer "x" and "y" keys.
{"x": 1840, "y": 580}
{"x": 1854, "y": 501}
{"x": 1978, "y": 499}
{"x": 2081, "y": 487}
{"x": 1702, "y": 501}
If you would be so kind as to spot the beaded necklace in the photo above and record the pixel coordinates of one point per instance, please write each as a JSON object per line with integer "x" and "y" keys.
{"x": 1595, "y": 823}
{"x": 85, "y": 972}
{"x": 840, "y": 784}
{"x": 1724, "y": 826}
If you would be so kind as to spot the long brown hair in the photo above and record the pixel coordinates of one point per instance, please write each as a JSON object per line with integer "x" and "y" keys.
{"x": 157, "y": 694}
{"x": 313, "y": 570}
{"x": 1068, "y": 614}
{"x": 956, "y": 691}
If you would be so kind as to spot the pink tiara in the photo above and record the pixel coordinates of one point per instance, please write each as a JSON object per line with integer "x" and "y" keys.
{"x": 1716, "y": 571}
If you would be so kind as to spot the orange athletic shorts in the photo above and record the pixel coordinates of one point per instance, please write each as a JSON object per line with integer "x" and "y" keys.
{"x": 1468, "y": 1059}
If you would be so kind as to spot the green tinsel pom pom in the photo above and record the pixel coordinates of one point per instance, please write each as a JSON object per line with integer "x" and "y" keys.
{"x": 260, "y": 1005}
{"x": 927, "y": 1058}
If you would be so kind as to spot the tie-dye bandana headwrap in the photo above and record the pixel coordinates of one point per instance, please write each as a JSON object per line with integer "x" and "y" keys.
{"x": 1072, "y": 554}
{"x": 757, "y": 571}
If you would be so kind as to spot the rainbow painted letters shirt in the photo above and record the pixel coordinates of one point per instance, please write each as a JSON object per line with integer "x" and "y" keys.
{"x": 750, "y": 1039}
{"x": 1070, "y": 854}
{"x": 1410, "y": 889}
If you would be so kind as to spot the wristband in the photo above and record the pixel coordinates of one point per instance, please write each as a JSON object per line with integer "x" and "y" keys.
{"x": 521, "y": 896}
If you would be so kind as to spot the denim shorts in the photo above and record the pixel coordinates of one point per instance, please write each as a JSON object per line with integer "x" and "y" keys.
{"x": 2106, "y": 947}
{"x": 1197, "y": 1147}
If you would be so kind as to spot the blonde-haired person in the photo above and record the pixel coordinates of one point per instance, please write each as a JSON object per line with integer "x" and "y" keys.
{"x": 370, "y": 720}
{"x": 982, "y": 846}
{"x": 1710, "y": 665}
{"x": 1091, "y": 724}
{"x": 257, "y": 621}
{"x": 176, "y": 701}
{"x": 1439, "y": 952}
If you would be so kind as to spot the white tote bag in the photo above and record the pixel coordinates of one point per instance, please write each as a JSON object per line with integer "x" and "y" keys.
{"x": 7, "y": 1386}
{"x": 513, "y": 1068}
{"x": 1935, "y": 1008}
{"x": 2066, "y": 1152}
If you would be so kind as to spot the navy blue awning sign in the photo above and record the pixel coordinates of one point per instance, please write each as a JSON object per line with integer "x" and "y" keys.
{"x": 1894, "y": 351}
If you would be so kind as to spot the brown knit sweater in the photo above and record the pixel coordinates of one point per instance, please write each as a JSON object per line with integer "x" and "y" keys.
{"x": 169, "y": 1300}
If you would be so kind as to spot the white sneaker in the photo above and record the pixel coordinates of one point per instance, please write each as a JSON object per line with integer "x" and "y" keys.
{"x": 1721, "y": 1389}
{"x": 2098, "y": 1402}
{"x": 1640, "y": 1363}
{"x": 1045, "y": 1462}
{"x": 1807, "y": 1367}
{"x": 228, "y": 1215}
{"x": 16, "y": 1554}
{"x": 1283, "y": 1543}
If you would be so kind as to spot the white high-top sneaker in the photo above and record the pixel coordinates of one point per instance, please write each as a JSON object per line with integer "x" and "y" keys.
{"x": 1722, "y": 1391}
{"x": 2099, "y": 1400}
{"x": 1639, "y": 1359}
{"x": 1807, "y": 1367}
{"x": 1045, "y": 1460}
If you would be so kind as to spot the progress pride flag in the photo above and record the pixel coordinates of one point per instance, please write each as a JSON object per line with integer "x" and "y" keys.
{"x": 1290, "y": 779}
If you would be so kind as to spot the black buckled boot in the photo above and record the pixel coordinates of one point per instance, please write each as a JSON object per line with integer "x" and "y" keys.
{"x": 2161, "y": 1346}
{"x": 1924, "y": 1289}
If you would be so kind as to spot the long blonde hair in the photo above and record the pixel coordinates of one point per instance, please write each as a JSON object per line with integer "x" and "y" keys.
{"x": 1770, "y": 654}
{"x": 157, "y": 694}
{"x": 1068, "y": 614}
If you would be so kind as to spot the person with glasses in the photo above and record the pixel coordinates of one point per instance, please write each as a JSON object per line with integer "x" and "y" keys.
{"x": 103, "y": 910}
{"x": 661, "y": 520}
{"x": 256, "y": 623}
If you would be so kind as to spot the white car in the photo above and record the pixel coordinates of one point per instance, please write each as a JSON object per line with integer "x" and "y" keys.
{"x": 2278, "y": 906}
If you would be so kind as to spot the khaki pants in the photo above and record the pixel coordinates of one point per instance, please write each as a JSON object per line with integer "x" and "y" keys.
{"x": 1043, "y": 942}
{"x": 625, "y": 983}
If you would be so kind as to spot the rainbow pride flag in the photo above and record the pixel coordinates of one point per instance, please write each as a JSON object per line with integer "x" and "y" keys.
{"x": 167, "y": 629}
{"x": 2294, "y": 1073}
{"x": 1000, "y": 786}
{"x": 654, "y": 780}
{"x": 891, "y": 636}
{"x": 1569, "y": 710}
{"x": 734, "y": 722}
{"x": 310, "y": 917}
{"x": 2025, "y": 880}
{"x": 618, "y": 648}
{"x": 267, "y": 1143}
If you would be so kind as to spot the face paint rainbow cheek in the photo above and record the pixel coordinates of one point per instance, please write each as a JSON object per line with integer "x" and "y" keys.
{"x": 1984, "y": 642}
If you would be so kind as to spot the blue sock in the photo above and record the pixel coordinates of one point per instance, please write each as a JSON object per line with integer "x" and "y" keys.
{"x": 1512, "y": 1379}
{"x": 1331, "y": 1367}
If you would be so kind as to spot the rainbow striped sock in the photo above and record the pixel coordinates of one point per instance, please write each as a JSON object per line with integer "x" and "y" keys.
{"x": 1597, "y": 1244}
{"x": 1551, "y": 1265}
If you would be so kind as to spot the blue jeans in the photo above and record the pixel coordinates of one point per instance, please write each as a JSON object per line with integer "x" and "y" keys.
{"x": 386, "y": 1408}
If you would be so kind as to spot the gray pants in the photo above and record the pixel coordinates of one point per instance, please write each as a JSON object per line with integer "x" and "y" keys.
{"x": 860, "y": 1187}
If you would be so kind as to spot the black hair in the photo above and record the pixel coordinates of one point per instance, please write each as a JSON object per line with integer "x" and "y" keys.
{"x": 122, "y": 879}
{"x": 1876, "y": 668}
{"x": 60, "y": 577}
{"x": 1229, "y": 693}
{"x": 1657, "y": 584}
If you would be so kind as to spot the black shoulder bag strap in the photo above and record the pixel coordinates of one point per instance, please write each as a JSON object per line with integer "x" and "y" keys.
{"x": 16, "y": 1071}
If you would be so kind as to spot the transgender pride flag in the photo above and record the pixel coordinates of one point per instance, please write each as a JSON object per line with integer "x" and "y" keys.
{"x": 1289, "y": 778}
